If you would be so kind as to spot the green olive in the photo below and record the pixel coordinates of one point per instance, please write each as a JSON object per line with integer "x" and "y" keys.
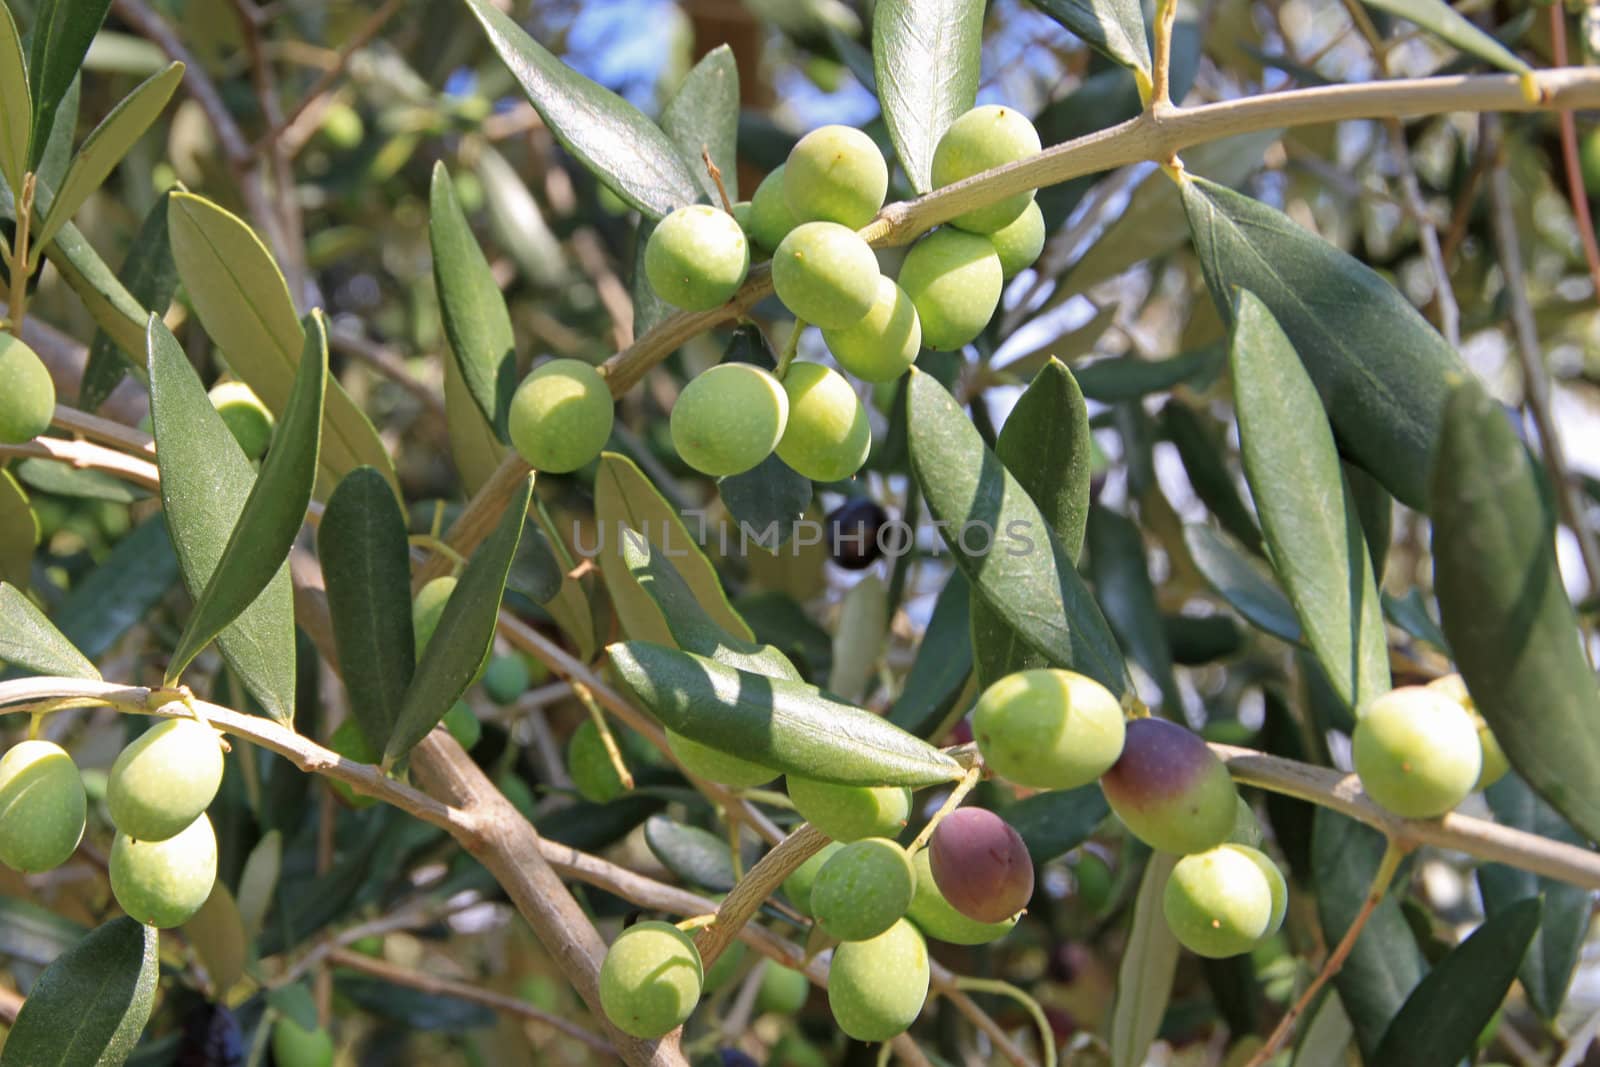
{"x": 163, "y": 883}
{"x": 246, "y": 416}
{"x": 696, "y": 258}
{"x": 797, "y": 887}
{"x": 713, "y": 764}
{"x": 728, "y": 419}
{"x": 954, "y": 279}
{"x": 42, "y": 807}
{"x": 1495, "y": 764}
{"x": 28, "y": 401}
{"x": 863, "y": 889}
{"x": 161, "y": 782}
{"x": 827, "y": 435}
{"x": 770, "y": 217}
{"x": 783, "y": 991}
{"x": 1019, "y": 242}
{"x": 985, "y": 137}
{"x": 850, "y": 812}
{"x": 650, "y": 980}
{"x": 836, "y": 174}
{"x": 560, "y": 416}
{"x": 1219, "y": 902}
{"x": 885, "y": 342}
{"x": 876, "y": 988}
{"x": 1417, "y": 752}
{"x": 1048, "y": 728}
{"x": 295, "y": 1046}
{"x": 827, "y": 275}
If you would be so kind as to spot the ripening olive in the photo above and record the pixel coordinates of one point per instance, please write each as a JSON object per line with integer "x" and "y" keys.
{"x": 1417, "y": 752}
{"x": 954, "y": 279}
{"x": 696, "y": 258}
{"x": 835, "y": 174}
{"x": 1020, "y": 241}
{"x": 713, "y": 764}
{"x": 28, "y": 399}
{"x": 936, "y": 918}
{"x": 1169, "y": 789}
{"x": 161, "y": 782}
{"x": 863, "y": 889}
{"x": 876, "y": 988}
{"x": 985, "y": 137}
{"x": 770, "y": 217}
{"x": 850, "y": 812}
{"x": 981, "y": 865}
{"x": 42, "y": 807}
{"x": 1048, "y": 728}
{"x": 827, "y": 275}
{"x": 1219, "y": 902}
{"x": 728, "y": 419}
{"x": 650, "y": 980}
{"x": 560, "y": 416}
{"x": 885, "y": 342}
{"x": 163, "y": 883}
{"x": 827, "y": 436}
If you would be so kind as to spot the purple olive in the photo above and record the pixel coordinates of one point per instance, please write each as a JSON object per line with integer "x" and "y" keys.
{"x": 981, "y": 865}
{"x": 1170, "y": 789}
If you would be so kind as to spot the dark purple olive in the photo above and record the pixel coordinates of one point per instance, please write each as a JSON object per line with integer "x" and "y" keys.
{"x": 1170, "y": 789}
{"x": 981, "y": 865}
{"x": 853, "y": 533}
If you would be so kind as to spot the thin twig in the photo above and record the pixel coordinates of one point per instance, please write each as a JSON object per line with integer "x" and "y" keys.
{"x": 1569, "y": 156}
{"x": 388, "y": 363}
{"x": 294, "y": 129}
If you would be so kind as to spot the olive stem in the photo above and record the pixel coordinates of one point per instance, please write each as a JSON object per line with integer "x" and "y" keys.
{"x": 20, "y": 270}
{"x": 951, "y": 803}
{"x": 1392, "y": 855}
{"x": 1161, "y": 65}
{"x": 790, "y": 348}
{"x": 608, "y": 740}
{"x": 716, "y": 179}
{"x": 1006, "y": 989}
{"x": 756, "y": 886}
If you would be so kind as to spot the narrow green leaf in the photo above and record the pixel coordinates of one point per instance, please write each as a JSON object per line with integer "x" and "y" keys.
{"x": 108, "y": 302}
{"x": 107, "y": 144}
{"x": 703, "y": 116}
{"x": 697, "y": 857}
{"x": 62, "y": 30}
{"x": 625, "y": 499}
{"x": 1123, "y": 587}
{"x": 121, "y": 591}
{"x": 1553, "y": 954}
{"x": 60, "y": 478}
{"x": 1385, "y": 965}
{"x": 1378, "y": 366}
{"x": 691, "y": 628}
{"x": 474, "y": 312}
{"x": 1308, "y": 516}
{"x": 243, "y": 303}
{"x": 768, "y": 500}
{"x": 18, "y": 111}
{"x": 939, "y": 674}
{"x": 1114, "y": 28}
{"x": 90, "y": 1005}
{"x": 1201, "y": 446}
{"x": 474, "y": 446}
{"x": 1149, "y": 963}
{"x": 31, "y": 641}
{"x": 649, "y": 310}
{"x": 366, "y": 563}
{"x": 258, "y": 881}
{"x": 1450, "y": 26}
{"x": 151, "y": 278}
{"x": 1120, "y": 378}
{"x": 1055, "y": 822}
{"x": 1238, "y": 581}
{"x": 1442, "y": 1018}
{"x": 465, "y": 630}
{"x": 1002, "y": 541}
{"x": 57, "y": 155}
{"x": 1325, "y": 1040}
{"x": 216, "y": 935}
{"x": 788, "y": 726}
{"x": 858, "y": 637}
{"x": 1375, "y": 509}
{"x": 258, "y": 546}
{"x": 610, "y": 136}
{"x": 205, "y": 483}
{"x": 19, "y": 532}
{"x": 536, "y": 573}
{"x": 1505, "y": 612}
{"x": 925, "y": 58}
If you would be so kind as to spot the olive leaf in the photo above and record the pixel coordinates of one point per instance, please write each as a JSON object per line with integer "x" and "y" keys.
{"x": 151, "y": 277}
{"x": 1452, "y": 27}
{"x": 19, "y": 532}
{"x": 703, "y": 116}
{"x": 30, "y": 640}
{"x": 62, "y": 32}
{"x": 925, "y": 57}
{"x": 933, "y": 687}
{"x": 1149, "y": 962}
{"x": 15, "y": 117}
{"x": 91, "y": 1004}
{"x": 1114, "y": 28}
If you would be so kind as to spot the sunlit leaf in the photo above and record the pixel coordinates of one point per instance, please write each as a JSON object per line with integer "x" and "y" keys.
{"x": 925, "y": 55}
{"x": 703, "y": 116}
{"x": 62, "y": 30}
{"x": 90, "y": 1005}
{"x": 30, "y": 640}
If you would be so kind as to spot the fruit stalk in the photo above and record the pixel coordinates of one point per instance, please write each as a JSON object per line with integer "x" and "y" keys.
{"x": 757, "y": 885}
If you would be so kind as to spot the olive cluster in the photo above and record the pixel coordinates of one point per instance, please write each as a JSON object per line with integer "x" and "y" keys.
{"x": 164, "y": 858}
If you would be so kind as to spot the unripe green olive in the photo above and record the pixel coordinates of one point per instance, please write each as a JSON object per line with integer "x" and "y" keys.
{"x": 954, "y": 280}
{"x": 827, "y": 436}
{"x": 1495, "y": 764}
{"x": 650, "y": 980}
{"x": 1048, "y": 728}
{"x": 850, "y": 812}
{"x": 876, "y": 988}
{"x": 341, "y": 125}
{"x": 590, "y": 766}
{"x": 348, "y": 741}
{"x": 721, "y": 972}
{"x": 770, "y": 217}
{"x": 463, "y": 725}
{"x": 1019, "y": 242}
{"x": 1275, "y": 882}
{"x": 826, "y": 274}
{"x": 42, "y": 807}
{"x": 246, "y": 417}
{"x": 797, "y": 887}
{"x": 937, "y": 918}
{"x": 741, "y": 215}
{"x": 163, "y": 883}
{"x": 1417, "y": 752}
{"x": 783, "y": 991}
{"x": 985, "y": 137}
{"x": 161, "y": 782}
{"x": 835, "y": 174}
{"x": 885, "y": 342}
{"x": 696, "y": 258}
{"x": 713, "y": 764}
{"x": 506, "y": 678}
{"x": 863, "y": 889}
{"x": 1219, "y": 902}
{"x": 560, "y": 416}
{"x": 28, "y": 400}
{"x": 728, "y": 419}
{"x": 295, "y": 1046}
